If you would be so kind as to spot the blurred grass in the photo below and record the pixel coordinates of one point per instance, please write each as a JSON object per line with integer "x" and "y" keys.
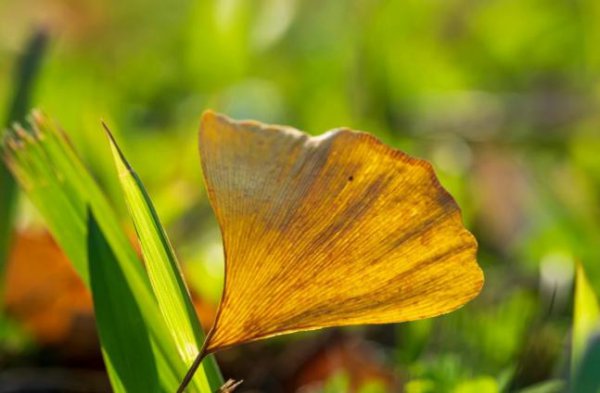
{"x": 58, "y": 184}
{"x": 25, "y": 74}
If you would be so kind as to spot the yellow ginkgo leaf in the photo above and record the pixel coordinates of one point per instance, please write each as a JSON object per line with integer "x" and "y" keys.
{"x": 325, "y": 231}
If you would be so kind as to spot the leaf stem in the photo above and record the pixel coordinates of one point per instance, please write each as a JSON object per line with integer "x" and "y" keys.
{"x": 201, "y": 355}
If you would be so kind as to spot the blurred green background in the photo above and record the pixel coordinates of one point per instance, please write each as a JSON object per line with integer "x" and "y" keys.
{"x": 502, "y": 96}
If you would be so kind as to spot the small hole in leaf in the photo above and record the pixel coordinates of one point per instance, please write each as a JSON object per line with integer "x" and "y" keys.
{"x": 350, "y": 178}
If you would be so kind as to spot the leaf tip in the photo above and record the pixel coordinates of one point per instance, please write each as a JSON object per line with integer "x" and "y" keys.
{"x": 210, "y": 118}
{"x": 108, "y": 133}
{"x": 117, "y": 152}
{"x": 208, "y": 115}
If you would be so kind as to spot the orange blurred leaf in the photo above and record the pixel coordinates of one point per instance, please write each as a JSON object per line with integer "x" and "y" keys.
{"x": 357, "y": 359}
{"x": 325, "y": 231}
{"x": 44, "y": 292}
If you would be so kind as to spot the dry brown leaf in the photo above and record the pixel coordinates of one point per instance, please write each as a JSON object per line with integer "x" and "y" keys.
{"x": 325, "y": 231}
{"x": 355, "y": 358}
{"x": 44, "y": 292}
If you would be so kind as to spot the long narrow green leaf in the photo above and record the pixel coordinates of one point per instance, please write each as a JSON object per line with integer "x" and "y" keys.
{"x": 163, "y": 270}
{"x": 48, "y": 170}
{"x": 123, "y": 334}
{"x": 26, "y": 72}
{"x": 549, "y": 386}
{"x": 586, "y": 316}
{"x": 585, "y": 378}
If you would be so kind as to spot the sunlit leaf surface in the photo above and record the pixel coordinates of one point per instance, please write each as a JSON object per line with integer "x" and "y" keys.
{"x": 586, "y": 316}
{"x": 332, "y": 230}
{"x": 50, "y": 173}
{"x": 163, "y": 270}
{"x": 585, "y": 353}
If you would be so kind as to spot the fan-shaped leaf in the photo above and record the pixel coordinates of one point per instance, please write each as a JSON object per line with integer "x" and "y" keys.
{"x": 326, "y": 231}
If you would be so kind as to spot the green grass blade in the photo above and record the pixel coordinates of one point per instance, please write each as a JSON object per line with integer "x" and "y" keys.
{"x": 48, "y": 170}
{"x": 586, "y": 316}
{"x": 27, "y": 69}
{"x": 549, "y": 386}
{"x": 124, "y": 336}
{"x": 163, "y": 270}
{"x": 586, "y": 378}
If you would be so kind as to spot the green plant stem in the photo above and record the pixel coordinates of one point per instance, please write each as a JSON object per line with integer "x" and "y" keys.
{"x": 197, "y": 362}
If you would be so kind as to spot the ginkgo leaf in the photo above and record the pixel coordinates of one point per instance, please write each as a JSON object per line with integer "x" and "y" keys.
{"x": 333, "y": 230}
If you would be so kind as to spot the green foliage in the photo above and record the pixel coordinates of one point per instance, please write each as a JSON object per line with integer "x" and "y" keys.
{"x": 26, "y": 72}
{"x": 163, "y": 271}
{"x": 337, "y": 383}
{"x": 125, "y": 339}
{"x": 500, "y": 95}
{"x": 586, "y": 318}
{"x": 420, "y": 386}
{"x": 552, "y": 386}
{"x": 372, "y": 387}
{"x": 13, "y": 337}
{"x": 585, "y": 378}
{"x": 478, "y": 385}
{"x": 57, "y": 183}
{"x": 585, "y": 353}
